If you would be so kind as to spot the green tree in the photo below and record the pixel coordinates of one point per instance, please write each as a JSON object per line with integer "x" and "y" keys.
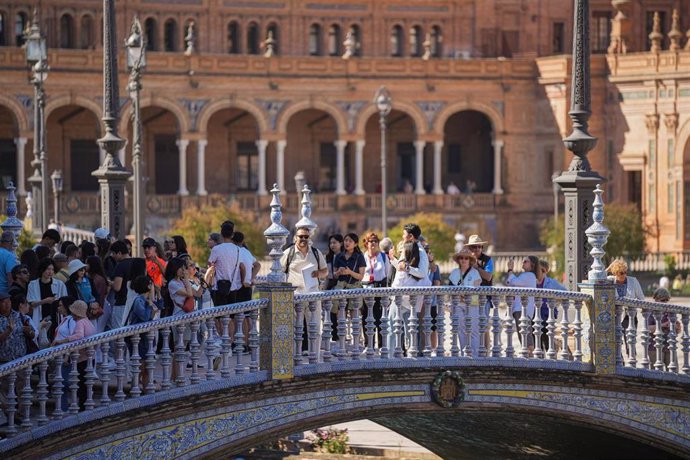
{"x": 437, "y": 233}
{"x": 627, "y": 239}
{"x": 196, "y": 224}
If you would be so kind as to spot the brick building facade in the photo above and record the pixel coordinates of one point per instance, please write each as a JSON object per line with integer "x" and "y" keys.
{"x": 480, "y": 93}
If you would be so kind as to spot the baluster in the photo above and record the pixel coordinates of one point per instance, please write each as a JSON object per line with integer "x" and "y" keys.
{"x": 254, "y": 340}
{"x": 103, "y": 374}
{"x": 210, "y": 347}
{"x": 685, "y": 319}
{"x": 150, "y": 362}
{"x": 496, "y": 327}
{"x": 483, "y": 324}
{"x": 538, "y": 352}
{"x": 565, "y": 347}
{"x": 440, "y": 325}
{"x": 398, "y": 330}
{"x": 370, "y": 328}
{"x": 413, "y": 328}
{"x": 385, "y": 327}
{"x": 11, "y": 403}
{"x": 354, "y": 308}
{"x": 299, "y": 332}
{"x": 90, "y": 377}
{"x": 455, "y": 325}
{"x": 467, "y": 327}
{"x": 619, "y": 335}
{"x": 632, "y": 334}
{"x": 313, "y": 333}
{"x": 26, "y": 398}
{"x": 226, "y": 348}
{"x": 74, "y": 383}
{"x": 239, "y": 343}
{"x": 672, "y": 345}
{"x": 577, "y": 327}
{"x": 194, "y": 347}
{"x": 166, "y": 358}
{"x": 42, "y": 393}
{"x": 135, "y": 365}
{"x": 644, "y": 337}
{"x": 658, "y": 341}
{"x": 58, "y": 387}
{"x": 342, "y": 329}
{"x": 426, "y": 324}
{"x": 120, "y": 368}
{"x": 551, "y": 329}
{"x": 326, "y": 330}
{"x": 180, "y": 356}
{"x": 508, "y": 324}
{"x": 524, "y": 325}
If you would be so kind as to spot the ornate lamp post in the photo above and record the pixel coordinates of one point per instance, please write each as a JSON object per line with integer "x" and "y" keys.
{"x": 383, "y": 102}
{"x": 56, "y": 177}
{"x": 111, "y": 175}
{"x": 37, "y": 57}
{"x": 12, "y": 223}
{"x": 579, "y": 180}
{"x": 136, "y": 62}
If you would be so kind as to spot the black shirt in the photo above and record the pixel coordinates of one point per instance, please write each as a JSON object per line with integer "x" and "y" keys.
{"x": 122, "y": 270}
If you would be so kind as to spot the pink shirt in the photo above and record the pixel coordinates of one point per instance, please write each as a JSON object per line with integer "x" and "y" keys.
{"x": 84, "y": 328}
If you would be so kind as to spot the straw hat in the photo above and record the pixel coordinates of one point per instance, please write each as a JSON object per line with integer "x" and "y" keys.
{"x": 464, "y": 252}
{"x": 79, "y": 308}
{"x": 475, "y": 239}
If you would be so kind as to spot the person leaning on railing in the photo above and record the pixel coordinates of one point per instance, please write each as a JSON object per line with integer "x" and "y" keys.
{"x": 626, "y": 286}
{"x": 527, "y": 279}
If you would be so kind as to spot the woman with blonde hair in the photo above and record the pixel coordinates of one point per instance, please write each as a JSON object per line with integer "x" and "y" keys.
{"x": 626, "y": 286}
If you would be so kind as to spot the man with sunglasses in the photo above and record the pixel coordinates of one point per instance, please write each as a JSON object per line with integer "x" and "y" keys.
{"x": 20, "y": 280}
{"x": 483, "y": 263}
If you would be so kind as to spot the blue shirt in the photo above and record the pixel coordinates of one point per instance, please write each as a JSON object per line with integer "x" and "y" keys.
{"x": 354, "y": 263}
{"x": 8, "y": 260}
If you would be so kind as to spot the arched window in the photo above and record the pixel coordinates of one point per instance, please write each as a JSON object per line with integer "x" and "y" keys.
{"x": 21, "y": 21}
{"x": 253, "y": 38}
{"x": 2, "y": 28}
{"x": 233, "y": 38}
{"x": 335, "y": 39}
{"x": 66, "y": 31}
{"x": 416, "y": 41}
{"x": 315, "y": 40}
{"x": 357, "y": 37}
{"x": 170, "y": 35}
{"x": 436, "y": 39}
{"x": 273, "y": 31}
{"x": 151, "y": 32}
{"x": 86, "y": 38}
{"x": 397, "y": 40}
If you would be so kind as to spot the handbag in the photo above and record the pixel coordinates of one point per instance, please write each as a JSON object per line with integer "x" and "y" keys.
{"x": 188, "y": 304}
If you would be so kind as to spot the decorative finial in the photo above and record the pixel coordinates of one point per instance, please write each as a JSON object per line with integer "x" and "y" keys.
{"x": 349, "y": 44}
{"x": 427, "y": 47}
{"x": 12, "y": 224}
{"x": 29, "y": 200}
{"x": 655, "y": 36}
{"x": 189, "y": 39}
{"x": 675, "y": 34}
{"x": 269, "y": 44}
{"x": 597, "y": 236}
{"x": 305, "y": 221}
{"x": 276, "y": 235}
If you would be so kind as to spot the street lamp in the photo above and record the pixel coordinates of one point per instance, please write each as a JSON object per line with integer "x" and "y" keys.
{"x": 56, "y": 177}
{"x": 383, "y": 102}
{"x": 136, "y": 62}
{"x": 37, "y": 57}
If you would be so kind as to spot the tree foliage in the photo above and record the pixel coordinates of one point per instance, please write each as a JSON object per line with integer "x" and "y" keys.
{"x": 437, "y": 233}
{"x": 25, "y": 240}
{"x": 627, "y": 238}
{"x": 197, "y": 223}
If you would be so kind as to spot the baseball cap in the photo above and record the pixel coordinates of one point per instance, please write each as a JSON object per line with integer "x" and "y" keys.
{"x": 102, "y": 234}
{"x": 7, "y": 237}
{"x": 148, "y": 242}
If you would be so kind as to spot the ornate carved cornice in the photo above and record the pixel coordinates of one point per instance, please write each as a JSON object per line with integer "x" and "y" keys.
{"x": 671, "y": 122}
{"x": 652, "y": 123}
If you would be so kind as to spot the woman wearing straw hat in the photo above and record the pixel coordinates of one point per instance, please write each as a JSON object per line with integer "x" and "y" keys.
{"x": 467, "y": 275}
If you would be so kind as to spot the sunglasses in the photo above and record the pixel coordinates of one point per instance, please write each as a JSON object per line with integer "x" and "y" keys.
{"x": 464, "y": 258}
{"x": 475, "y": 246}
{"x": 303, "y": 237}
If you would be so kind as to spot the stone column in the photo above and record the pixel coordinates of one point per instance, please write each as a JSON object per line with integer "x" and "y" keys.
{"x": 340, "y": 167}
{"x": 261, "y": 145}
{"x": 20, "y": 142}
{"x": 359, "y": 167}
{"x": 419, "y": 147}
{"x": 602, "y": 342}
{"x": 438, "y": 187}
{"x": 182, "y": 147}
{"x": 280, "y": 164}
{"x": 498, "y": 156}
{"x": 201, "y": 167}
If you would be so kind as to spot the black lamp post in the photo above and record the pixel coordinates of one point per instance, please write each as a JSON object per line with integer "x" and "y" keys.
{"x": 383, "y": 102}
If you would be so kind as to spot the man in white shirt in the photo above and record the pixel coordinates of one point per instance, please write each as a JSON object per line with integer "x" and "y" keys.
{"x": 226, "y": 258}
{"x": 305, "y": 265}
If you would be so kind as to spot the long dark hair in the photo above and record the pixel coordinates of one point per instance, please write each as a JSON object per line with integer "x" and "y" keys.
{"x": 95, "y": 266}
{"x": 180, "y": 244}
{"x": 30, "y": 259}
{"x": 88, "y": 249}
{"x": 534, "y": 260}
{"x": 411, "y": 253}
{"x": 174, "y": 265}
{"x": 354, "y": 237}
{"x": 331, "y": 255}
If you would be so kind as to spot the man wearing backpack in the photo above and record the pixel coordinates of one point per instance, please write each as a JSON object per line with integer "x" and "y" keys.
{"x": 304, "y": 266}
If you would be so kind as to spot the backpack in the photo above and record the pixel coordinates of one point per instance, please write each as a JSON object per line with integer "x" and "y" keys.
{"x": 291, "y": 257}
